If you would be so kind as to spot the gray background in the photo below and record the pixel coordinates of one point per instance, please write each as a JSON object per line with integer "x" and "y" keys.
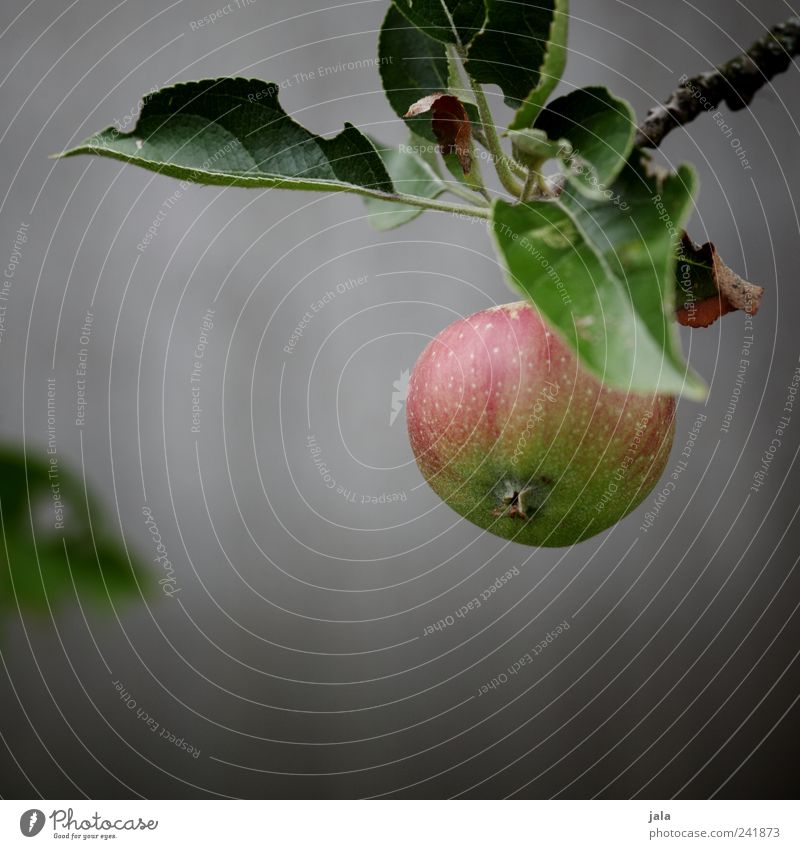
{"x": 294, "y": 655}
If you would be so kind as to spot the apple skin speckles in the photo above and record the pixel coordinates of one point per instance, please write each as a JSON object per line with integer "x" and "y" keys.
{"x": 513, "y": 435}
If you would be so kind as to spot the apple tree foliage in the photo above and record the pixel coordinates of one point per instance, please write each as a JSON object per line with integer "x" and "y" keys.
{"x": 595, "y": 249}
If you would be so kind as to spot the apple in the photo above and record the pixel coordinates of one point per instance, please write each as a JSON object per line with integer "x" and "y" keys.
{"x": 512, "y": 433}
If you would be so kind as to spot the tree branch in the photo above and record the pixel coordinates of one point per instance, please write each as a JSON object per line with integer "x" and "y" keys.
{"x": 734, "y": 83}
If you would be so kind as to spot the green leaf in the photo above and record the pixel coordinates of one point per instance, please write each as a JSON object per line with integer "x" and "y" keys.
{"x": 412, "y": 66}
{"x": 551, "y": 71}
{"x": 473, "y": 180}
{"x": 532, "y": 148}
{"x": 637, "y": 233}
{"x": 601, "y": 130}
{"x": 522, "y": 49}
{"x": 602, "y": 272}
{"x": 697, "y": 273}
{"x": 449, "y": 21}
{"x": 411, "y": 175}
{"x": 42, "y": 565}
{"x": 233, "y": 132}
{"x": 566, "y": 277}
{"x": 457, "y": 84}
{"x": 427, "y": 151}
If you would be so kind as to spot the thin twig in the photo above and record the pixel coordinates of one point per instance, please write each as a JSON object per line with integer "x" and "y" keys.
{"x": 501, "y": 165}
{"x": 427, "y": 203}
{"x": 531, "y": 182}
{"x": 734, "y": 83}
{"x": 482, "y": 198}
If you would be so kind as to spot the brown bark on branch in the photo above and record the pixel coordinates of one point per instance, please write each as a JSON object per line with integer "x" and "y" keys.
{"x": 734, "y": 83}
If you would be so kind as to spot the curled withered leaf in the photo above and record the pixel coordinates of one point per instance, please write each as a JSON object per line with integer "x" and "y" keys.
{"x": 450, "y": 123}
{"x": 708, "y": 289}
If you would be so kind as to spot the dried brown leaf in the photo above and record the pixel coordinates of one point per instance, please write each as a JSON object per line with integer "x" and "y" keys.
{"x": 450, "y": 123}
{"x": 712, "y": 289}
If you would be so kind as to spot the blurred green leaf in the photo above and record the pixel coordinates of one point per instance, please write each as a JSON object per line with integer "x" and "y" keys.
{"x": 43, "y": 564}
